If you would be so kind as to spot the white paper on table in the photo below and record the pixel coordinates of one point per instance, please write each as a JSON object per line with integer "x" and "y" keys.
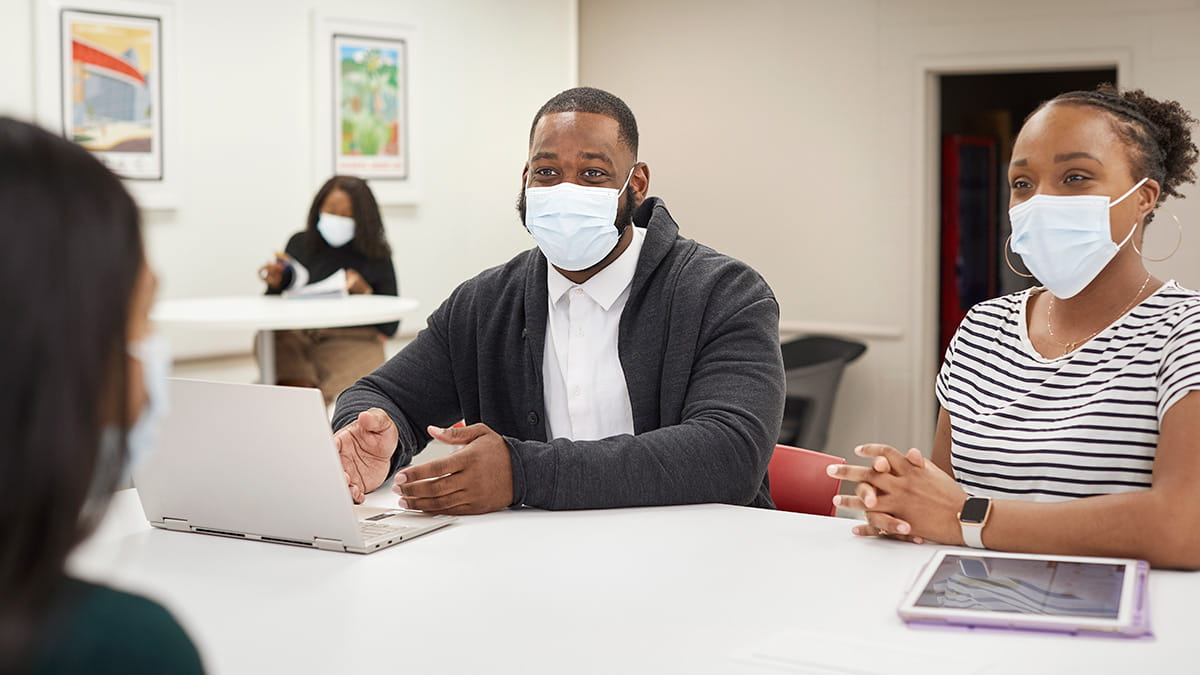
{"x": 332, "y": 286}
{"x": 816, "y": 653}
{"x": 299, "y": 274}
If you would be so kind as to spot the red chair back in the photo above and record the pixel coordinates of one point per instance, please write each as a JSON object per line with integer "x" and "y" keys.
{"x": 799, "y": 482}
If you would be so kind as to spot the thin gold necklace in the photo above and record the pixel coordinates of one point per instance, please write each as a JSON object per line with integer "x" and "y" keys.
{"x": 1070, "y": 346}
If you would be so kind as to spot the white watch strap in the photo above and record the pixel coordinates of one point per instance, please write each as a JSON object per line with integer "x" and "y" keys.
{"x": 972, "y": 535}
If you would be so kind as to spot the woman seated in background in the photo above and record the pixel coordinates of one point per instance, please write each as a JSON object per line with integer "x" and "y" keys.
{"x": 344, "y": 236}
{"x": 1069, "y": 412}
{"x": 82, "y": 378}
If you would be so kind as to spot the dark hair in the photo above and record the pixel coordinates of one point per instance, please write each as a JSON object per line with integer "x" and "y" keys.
{"x": 1158, "y": 132}
{"x": 69, "y": 263}
{"x": 592, "y": 100}
{"x": 369, "y": 239}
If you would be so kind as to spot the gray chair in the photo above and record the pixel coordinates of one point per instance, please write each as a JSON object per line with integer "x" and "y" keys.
{"x": 814, "y": 366}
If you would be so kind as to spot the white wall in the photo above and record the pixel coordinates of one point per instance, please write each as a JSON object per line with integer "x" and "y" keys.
{"x": 245, "y": 114}
{"x": 794, "y": 135}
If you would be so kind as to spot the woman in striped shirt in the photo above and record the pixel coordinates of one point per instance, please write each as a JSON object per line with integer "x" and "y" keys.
{"x": 1068, "y": 422}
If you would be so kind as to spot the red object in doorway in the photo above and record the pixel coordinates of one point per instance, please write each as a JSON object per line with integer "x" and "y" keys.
{"x": 970, "y": 253}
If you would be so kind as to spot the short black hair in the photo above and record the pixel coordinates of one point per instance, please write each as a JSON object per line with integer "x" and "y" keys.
{"x": 597, "y": 101}
{"x": 1159, "y": 134}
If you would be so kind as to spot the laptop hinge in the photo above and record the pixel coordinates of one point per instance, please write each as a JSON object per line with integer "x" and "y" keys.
{"x": 329, "y": 544}
{"x": 179, "y": 524}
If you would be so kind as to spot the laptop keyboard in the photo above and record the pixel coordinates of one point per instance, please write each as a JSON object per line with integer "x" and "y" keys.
{"x": 380, "y": 526}
{"x": 382, "y": 529}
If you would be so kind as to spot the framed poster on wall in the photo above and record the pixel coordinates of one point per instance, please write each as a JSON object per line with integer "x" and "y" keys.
{"x": 369, "y": 92}
{"x": 102, "y": 82}
{"x": 110, "y": 68}
{"x": 362, "y": 103}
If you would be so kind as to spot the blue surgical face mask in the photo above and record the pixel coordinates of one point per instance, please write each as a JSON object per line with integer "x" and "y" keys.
{"x": 141, "y": 439}
{"x": 1066, "y": 240}
{"x": 573, "y": 225}
{"x": 336, "y": 230}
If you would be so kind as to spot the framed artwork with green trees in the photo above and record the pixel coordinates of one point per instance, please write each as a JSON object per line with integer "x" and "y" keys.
{"x": 364, "y": 104}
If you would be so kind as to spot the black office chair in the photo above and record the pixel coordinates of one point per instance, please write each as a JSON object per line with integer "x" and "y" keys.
{"x": 814, "y": 366}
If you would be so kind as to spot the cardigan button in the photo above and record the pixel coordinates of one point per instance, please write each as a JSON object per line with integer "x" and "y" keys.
{"x": 532, "y": 418}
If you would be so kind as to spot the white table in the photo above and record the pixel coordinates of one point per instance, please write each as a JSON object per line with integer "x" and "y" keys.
{"x": 694, "y": 589}
{"x": 268, "y": 313}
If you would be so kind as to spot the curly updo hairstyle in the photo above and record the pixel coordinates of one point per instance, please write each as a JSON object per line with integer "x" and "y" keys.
{"x": 1158, "y": 133}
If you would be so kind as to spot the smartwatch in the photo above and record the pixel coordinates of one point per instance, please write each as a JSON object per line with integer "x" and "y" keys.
{"x": 972, "y": 518}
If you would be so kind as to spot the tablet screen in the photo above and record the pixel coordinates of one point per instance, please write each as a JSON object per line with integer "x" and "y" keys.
{"x": 1045, "y": 587}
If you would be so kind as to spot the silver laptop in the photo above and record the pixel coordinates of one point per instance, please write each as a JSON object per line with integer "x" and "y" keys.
{"x": 258, "y": 462}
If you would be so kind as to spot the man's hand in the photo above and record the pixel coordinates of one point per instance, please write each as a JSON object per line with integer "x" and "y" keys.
{"x": 365, "y": 447}
{"x": 475, "y": 478}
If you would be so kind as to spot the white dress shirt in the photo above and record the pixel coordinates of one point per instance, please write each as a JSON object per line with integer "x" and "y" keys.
{"x": 584, "y": 384}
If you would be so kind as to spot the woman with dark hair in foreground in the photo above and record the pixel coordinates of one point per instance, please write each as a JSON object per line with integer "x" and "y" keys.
{"x": 82, "y": 378}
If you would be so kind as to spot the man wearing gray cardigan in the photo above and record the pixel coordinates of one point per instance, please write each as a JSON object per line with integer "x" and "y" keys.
{"x": 616, "y": 364}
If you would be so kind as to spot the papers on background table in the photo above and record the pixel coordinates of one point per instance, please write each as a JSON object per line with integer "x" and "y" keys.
{"x": 332, "y": 286}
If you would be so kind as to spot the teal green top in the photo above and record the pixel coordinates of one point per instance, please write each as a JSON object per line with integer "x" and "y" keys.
{"x": 96, "y": 629}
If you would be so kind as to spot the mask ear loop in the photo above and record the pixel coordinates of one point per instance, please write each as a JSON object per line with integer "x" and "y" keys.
{"x": 627, "y": 179}
{"x": 1178, "y": 242}
{"x": 1009, "y": 262}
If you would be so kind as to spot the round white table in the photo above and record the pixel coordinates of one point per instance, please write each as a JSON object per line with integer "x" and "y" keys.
{"x": 269, "y": 313}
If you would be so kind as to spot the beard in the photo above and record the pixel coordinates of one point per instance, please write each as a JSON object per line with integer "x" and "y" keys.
{"x": 624, "y": 211}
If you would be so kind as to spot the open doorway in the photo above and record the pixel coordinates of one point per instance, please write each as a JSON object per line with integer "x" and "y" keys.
{"x": 980, "y": 115}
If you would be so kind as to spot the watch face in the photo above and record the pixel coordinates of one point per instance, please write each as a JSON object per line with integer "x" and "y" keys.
{"x": 975, "y": 510}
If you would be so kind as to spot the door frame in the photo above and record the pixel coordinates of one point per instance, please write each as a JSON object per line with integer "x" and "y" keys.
{"x": 926, "y": 214}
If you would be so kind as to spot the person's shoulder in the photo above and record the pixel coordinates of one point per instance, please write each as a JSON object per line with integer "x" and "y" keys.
{"x": 296, "y": 248}
{"x": 698, "y": 267}
{"x": 1004, "y": 308}
{"x": 705, "y": 259}
{"x": 137, "y": 608}
{"x": 1175, "y": 297}
{"x": 704, "y": 262}
{"x": 1176, "y": 306}
{"x": 138, "y": 630}
{"x": 107, "y": 630}
{"x": 495, "y": 284}
{"x": 296, "y": 239}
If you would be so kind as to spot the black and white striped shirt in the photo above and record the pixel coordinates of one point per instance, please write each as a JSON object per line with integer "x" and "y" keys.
{"x": 1084, "y": 424}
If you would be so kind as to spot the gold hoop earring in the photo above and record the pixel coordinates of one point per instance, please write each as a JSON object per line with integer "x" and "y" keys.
{"x": 1178, "y": 241}
{"x": 1009, "y": 262}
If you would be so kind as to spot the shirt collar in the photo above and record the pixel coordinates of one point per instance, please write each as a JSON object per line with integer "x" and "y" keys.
{"x": 607, "y": 284}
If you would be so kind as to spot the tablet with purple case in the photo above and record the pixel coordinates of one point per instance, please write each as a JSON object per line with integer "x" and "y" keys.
{"x": 1070, "y": 594}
